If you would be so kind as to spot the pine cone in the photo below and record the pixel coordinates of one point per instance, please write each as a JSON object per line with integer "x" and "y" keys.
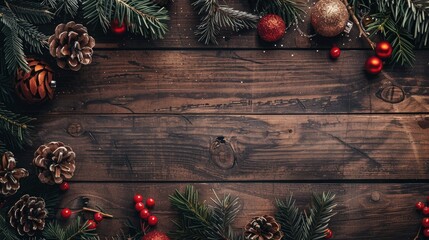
{"x": 263, "y": 228}
{"x": 71, "y": 45}
{"x": 55, "y": 162}
{"x": 28, "y": 215}
{"x": 9, "y": 175}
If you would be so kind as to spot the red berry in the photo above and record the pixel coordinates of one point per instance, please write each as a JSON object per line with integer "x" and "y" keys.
{"x": 426, "y": 232}
{"x": 91, "y": 224}
{"x": 152, "y": 220}
{"x": 98, "y": 217}
{"x": 64, "y": 186}
{"x": 335, "y": 52}
{"x": 66, "y": 213}
{"x": 383, "y": 49}
{"x": 425, "y": 222}
{"x": 373, "y": 65}
{"x": 425, "y": 210}
{"x": 144, "y": 214}
{"x": 138, "y": 198}
{"x": 328, "y": 233}
{"x": 139, "y": 206}
{"x": 117, "y": 28}
{"x": 420, "y": 205}
{"x": 150, "y": 202}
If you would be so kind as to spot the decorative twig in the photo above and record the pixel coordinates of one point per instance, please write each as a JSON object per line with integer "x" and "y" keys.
{"x": 357, "y": 23}
{"x": 418, "y": 234}
{"x": 96, "y": 211}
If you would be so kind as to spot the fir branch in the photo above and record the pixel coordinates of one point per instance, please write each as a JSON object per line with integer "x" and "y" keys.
{"x": 321, "y": 211}
{"x": 14, "y": 128}
{"x": 67, "y": 7}
{"x": 6, "y": 89}
{"x": 75, "y": 230}
{"x": 216, "y": 16}
{"x": 224, "y": 213}
{"x": 98, "y": 13}
{"x": 289, "y": 217}
{"x": 30, "y": 11}
{"x": 290, "y": 10}
{"x": 6, "y": 233}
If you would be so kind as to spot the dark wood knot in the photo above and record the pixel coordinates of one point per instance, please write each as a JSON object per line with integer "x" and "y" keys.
{"x": 222, "y": 154}
{"x": 75, "y": 129}
{"x": 391, "y": 94}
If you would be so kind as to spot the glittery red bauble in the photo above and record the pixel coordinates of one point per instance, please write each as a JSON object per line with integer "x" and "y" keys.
{"x": 373, "y": 65}
{"x": 118, "y": 28}
{"x": 155, "y": 235}
{"x": 271, "y": 28}
{"x": 383, "y": 49}
{"x": 335, "y": 52}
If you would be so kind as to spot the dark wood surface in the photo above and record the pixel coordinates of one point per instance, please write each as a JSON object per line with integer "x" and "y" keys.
{"x": 256, "y": 120}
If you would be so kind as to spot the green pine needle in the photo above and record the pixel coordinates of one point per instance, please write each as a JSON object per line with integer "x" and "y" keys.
{"x": 289, "y": 218}
{"x": 215, "y": 17}
{"x": 14, "y": 129}
{"x": 75, "y": 230}
{"x": 6, "y": 233}
{"x": 290, "y": 10}
{"x": 30, "y": 11}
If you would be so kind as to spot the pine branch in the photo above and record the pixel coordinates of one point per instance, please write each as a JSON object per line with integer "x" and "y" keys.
{"x": 14, "y": 129}
{"x": 224, "y": 213}
{"x": 30, "y": 11}
{"x": 290, "y": 10}
{"x": 75, "y": 230}
{"x": 6, "y": 233}
{"x": 321, "y": 211}
{"x": 67, "y": 7}
{"x": 6, "y": 89}
{"x": 143, "y": 17}
{"x": 290, "y": 218}
{"x": 216, "y": 16}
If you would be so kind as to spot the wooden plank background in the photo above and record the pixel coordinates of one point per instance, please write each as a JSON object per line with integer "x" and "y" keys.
{"x": 256, "y": 120}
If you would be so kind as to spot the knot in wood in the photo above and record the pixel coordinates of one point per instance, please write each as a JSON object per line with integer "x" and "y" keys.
{"x": 391, "y": 94}
{"x": 75, "y": 129}
{"x": 375, "y": 196}
{"x": 222, "y": 154}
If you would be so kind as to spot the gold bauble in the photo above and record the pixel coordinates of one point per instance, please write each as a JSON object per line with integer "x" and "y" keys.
{"x": 329, "y": 17}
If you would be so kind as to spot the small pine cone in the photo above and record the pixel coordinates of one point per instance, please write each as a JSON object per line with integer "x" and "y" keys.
{"x": 28, "y": 215}
{"x": 10, "y": 175}
{"x": 263, "y": 228}
{"x": 55, "y": 162}
{"x": 71, "y": 45}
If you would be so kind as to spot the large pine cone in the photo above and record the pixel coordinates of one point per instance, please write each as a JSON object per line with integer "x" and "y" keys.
{"x": 71, "y": 45}
{"x": 28, "y": 215}
{"x": 10, "y": 175}
{"x": 263, "y": 228}
{"x": 55, "y": 162}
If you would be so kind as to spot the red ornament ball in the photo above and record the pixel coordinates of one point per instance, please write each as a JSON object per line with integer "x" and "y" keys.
{"x": 64, "y": 186}
{"x": 155, "y": 235}
{"x": 117, "y": 28}
{"x": 383, "y": 49}
{"x": 335, "y": 52}
{"x": 144, "y": 214}
{"x": 139, "y": 206}
{"x": 420, "y": 205}
{"x": 425, "y": 222}
{"x": 271, "y": 28}
{"x": 152, "y": 220}
{"x": 373, "y": 65}
{"x": 425, "y": 210}
{"x": 91, "y": 224}
{"x": 98, "y": 217}
{"x": 66, "y": 213}
{"x": 138, "y": 198}
{"x": 150, "y": 202}
{"x": 426, "y": 232}
{"x": 328, "y": 233}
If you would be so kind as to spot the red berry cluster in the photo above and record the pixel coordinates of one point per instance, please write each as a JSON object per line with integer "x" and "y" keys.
{"x": 420, "y": 206}
{"x": 143, "y": 210}
{"x": 92, "y": 223}
{"x": 374, "y": 64}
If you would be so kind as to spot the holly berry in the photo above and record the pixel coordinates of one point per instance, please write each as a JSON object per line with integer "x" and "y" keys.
{"x": 64, "y": 186}
{"x": 426, "y": 232}
{"x": 139, "y": 206}
{"x": 117, "y": 28}
{"x": 138, "y": 198}
{"x": 150, "y": 202}
{"x": 425, "y": 222}
{"x": 383, "y": 49}
{"x": 328, "y": 233}
{"x": 420, "y": 205}
{"x": 91, "y": 224}
{"x": 425, "y": 210}
{"x": 335, "y": 52}
{"x": 373, "y": 65}
{"x": 66, "y": 213}
{"x": 98, "y": 217}
{"x": 152, "y": 220}
{"x": 144, "y": 214}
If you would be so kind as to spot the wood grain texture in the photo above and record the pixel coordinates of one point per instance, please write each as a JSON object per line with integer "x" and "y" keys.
{"x": 239, "y": 82}
{"x": 365, "y": 211}
{"x": 184, "y": 20}
{"x": 267, "y": 147}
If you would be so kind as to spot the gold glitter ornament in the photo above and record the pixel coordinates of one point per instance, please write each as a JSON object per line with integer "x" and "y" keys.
{"x": 329, "y": 17}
